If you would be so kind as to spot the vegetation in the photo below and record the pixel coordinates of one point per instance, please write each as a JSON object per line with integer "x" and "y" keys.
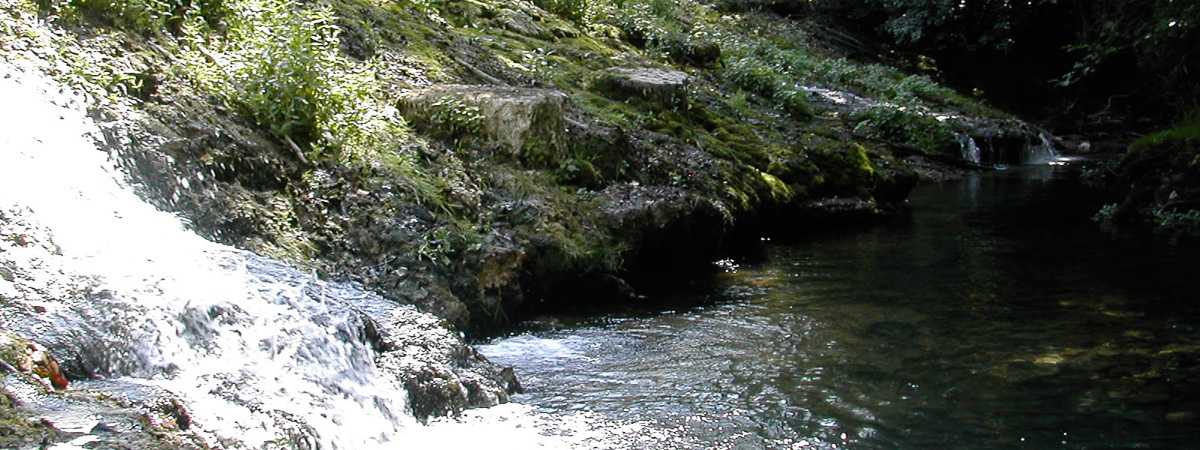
{"x": 1082, "y": 51}
{"x": 152, "y": 16}
{"x": 356, "y": 182}
{"x": 1158, "y": 181}
{"x": 920, "y": 132}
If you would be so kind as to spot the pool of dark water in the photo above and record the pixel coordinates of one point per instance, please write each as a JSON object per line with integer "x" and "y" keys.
{"x": 995, "y": 315}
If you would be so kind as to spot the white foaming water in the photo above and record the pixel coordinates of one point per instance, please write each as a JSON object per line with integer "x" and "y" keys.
{"x": 258, "y": 352}
{"x": 1043, "y": 152}
{"x": 532, "y": 347}
{"x": 970, "y": 149}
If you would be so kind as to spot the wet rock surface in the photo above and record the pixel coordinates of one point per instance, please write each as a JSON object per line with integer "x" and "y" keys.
{"x": 443, "y": 375}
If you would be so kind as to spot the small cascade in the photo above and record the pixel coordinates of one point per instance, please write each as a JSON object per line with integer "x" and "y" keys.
{"x": 1042, "y": 151}
{"x": 970, "y": 149}
{"x": 259, "y": 354}
{"x": 263, "y": 355}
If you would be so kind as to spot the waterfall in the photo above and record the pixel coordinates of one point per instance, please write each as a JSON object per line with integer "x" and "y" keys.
{"x": 1042, "y": 151}
{"x": 259, "y": 352}
{"x": 970, "y": 149}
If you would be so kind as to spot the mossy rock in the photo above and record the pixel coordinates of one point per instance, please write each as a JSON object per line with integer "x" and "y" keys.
{"x": 523, "y": 123}
{"x": 522, "y": 23}
{"x": 666, "y": 87}
{"x": 18, "y": 429}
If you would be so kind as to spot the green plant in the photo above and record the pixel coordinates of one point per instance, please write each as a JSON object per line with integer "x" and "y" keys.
{"x": 574, "y": 10}
{"x": 450, "y": 119}
{"x": 1177, "y": 223}
{"x": 1106, "y": 214}
{"x": 152, "y": 16}
{"x": 288, "y": 75}
{"x": 1187, "y": 129}
{"x": 753, "y": 75}
{"x": 795, "y": 103}
{"x": 664, "y": 9}
{"x": 902, "y": 125}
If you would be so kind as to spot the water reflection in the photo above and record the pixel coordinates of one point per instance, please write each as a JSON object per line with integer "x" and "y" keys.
{"x": 994, "y": 317}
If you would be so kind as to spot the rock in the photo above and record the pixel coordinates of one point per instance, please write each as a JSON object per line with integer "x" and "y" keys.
{"x": 668, "y": 87}
{"x": 522, "y": 23}
{"x": 839, "y": 211}
{"x": 525, "y": 123}
{"x": 1005, "y": 141}
{"x": 441, "y": 373}
{"x": 32, "y": 358}
{"x": 668, "y": 231}
{"x": 893, "y": 184}
{"x": 607, "y": 150}
{"x": 1073, "y": 144}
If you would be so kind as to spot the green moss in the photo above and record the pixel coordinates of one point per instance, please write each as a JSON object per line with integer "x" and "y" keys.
{"x": 17, "y": 429}
{"x": 1187, "y": 130}
{"x": 780, "y": 191}
{"x": 11, "y": 350}
{"x": 564, "y": 225}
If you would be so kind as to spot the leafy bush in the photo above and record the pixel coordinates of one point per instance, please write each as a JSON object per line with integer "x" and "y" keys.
{"x": 642, "y": 27}
{"x": 755, "y": 76}
{"x": 279, "y": 65}
{"x": 1177, "y": 223}
{"x": 290, "y": 77}
{"x": 152, "y": 16}
{"x": 1105, "y": 217}
{"x": 573, "y": 10}
{"x": 902, "y": 126}
{"x": 917, "y": 87}
{"x": 795, "y": 103}
{"x": 450, "y": 119}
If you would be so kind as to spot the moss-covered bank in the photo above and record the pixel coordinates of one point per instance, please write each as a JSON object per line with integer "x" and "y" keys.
{"x": 1156, "y": 185}
{"x": 477, "y": 158}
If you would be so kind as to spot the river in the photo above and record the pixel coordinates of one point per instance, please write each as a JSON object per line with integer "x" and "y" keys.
{"x": 995, "y": 315}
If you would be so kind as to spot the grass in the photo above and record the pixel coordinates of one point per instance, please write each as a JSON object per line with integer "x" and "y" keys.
{"x": 755, "y": 76}
{"x": 1187, "y": 130}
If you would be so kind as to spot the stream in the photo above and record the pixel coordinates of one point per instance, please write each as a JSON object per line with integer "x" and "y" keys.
{"x": 995, "y": 315}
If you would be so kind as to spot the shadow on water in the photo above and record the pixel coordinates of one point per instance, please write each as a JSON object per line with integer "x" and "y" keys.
{"x": 994, "y": 316}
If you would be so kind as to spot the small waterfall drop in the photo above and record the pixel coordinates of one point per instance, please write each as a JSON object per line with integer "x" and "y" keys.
{"x": 260, "y": 353}
{"x": 970, "y": 149}
{"x": 1041, "y": 152}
